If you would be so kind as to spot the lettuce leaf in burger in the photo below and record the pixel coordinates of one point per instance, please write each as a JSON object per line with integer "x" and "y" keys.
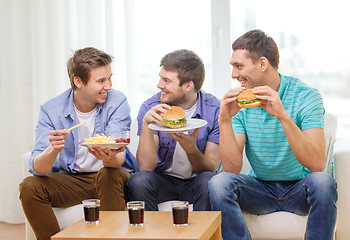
{"x": 247, "y": 99}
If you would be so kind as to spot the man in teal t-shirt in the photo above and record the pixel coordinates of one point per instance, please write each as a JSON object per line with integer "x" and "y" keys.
{"x": 284, "y": 143}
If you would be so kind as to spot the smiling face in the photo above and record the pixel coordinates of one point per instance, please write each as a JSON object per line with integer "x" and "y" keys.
{"x": 87, "y": 96}
{"x": 171, "y": 91}
{"x": 245, "y": 70}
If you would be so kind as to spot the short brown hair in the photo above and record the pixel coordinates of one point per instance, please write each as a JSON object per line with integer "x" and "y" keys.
{"x": 258, "y": 44}
{"x": 188, "y": 66}
{"x": 83, "y": 60}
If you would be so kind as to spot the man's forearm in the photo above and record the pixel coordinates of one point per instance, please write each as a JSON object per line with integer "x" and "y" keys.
{"x": 117, "y": 162}
{"x": 230, "y": 152}
{"x": 43, "y": 162}
{"x": 201, "y": 162}
{"x": 146, "y": 154}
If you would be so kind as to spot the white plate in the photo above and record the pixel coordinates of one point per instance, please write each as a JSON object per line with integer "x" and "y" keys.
{"x": 104, "y": 145}
{"x": 191, "y": 124}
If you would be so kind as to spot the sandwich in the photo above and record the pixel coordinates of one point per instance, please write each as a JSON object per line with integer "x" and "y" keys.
{"x": 174, "y": 118}
{"x": 247, "y": 99}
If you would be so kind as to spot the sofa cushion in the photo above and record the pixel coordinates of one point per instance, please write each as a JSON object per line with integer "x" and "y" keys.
{"x": 278, "y": 225}
{"x": 69, "y": 215}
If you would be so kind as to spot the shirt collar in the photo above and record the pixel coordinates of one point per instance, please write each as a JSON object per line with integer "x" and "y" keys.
{"x": 283, "y": 85}
{"x": 69, "y": 106}
{"x": 198, "y": 111}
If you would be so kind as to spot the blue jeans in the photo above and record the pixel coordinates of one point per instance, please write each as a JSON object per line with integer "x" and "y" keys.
{"x": 154, "y": 188}
{"x": 315, "y": 195}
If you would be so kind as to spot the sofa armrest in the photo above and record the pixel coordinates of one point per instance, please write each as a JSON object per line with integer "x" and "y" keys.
{"x": 342, "y": 175}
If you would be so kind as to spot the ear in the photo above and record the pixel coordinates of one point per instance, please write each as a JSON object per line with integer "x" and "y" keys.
{"x": 77, "y": 81}
{"x": 188, "y": 86}
{"x": 264, "y": 63}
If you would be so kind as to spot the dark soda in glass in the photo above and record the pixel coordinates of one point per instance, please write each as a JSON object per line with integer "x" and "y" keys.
{"x": 92, "y": 213}
{"x": 136, "y": 215}
{"x": 180, "y": 216}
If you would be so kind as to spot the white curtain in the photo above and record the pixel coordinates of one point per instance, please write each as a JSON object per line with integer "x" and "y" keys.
{"x": 37, "y": 37}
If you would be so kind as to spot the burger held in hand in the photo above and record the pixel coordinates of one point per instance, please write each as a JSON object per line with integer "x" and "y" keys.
{"x": 174, "y": 118}
{"x": 247, "y": 99}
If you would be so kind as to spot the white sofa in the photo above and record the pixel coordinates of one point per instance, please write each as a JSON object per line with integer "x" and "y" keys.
{"x": 280, "y": 225}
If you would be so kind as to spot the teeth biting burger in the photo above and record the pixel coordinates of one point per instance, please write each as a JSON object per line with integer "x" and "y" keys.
{"x": 247, "y": 99}
{"x": 174, "y": 118}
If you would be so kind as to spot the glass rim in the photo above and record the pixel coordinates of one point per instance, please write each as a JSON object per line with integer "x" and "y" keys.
{"x": 136, "y": 202}
{"x": 186, "y": 203}
{"x": 91, "y": 200}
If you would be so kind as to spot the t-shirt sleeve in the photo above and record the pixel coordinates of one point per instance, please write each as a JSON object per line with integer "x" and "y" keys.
{"x": 238, "y": 123}
{"x": 312, "y": 110}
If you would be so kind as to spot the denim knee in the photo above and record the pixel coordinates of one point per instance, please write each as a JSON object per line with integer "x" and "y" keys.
{"x": 203, "y": 179}
{"x": 322, "y": 185}
{"x": 139, "y": 180}
{"x": 220, "y": 183}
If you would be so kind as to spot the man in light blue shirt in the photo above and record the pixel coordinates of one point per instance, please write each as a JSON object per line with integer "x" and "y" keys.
{"x": 284, "y": 143}
{"x": 65, "y": 173}
{"x": 177, "y": 166}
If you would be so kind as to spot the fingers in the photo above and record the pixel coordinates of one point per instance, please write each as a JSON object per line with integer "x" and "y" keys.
{"x": 113, "y": 152}
{"x": 232, "y": 93}
{"x": 231, "y": 96}
{"x": 272, "y": 101}
{"x": 153, "y": 115}
{"x": 265, "y": 93}
{"x": 187, "y": 142}
{"x": 177, "y": 136}
{"x": 263, "y": 90}
{"x": 90, "y": 150}
{"x": 228, "y": 101}
{"x": 58, "y": 145}
{"x": 99, "y": 153}
{"x": 185, "y": 137}
{"x": 228, "y": 105}
{"x": 173, "y": 136}
{"x": 165, "y": 106}
{"x": 195, "y": 132}
{"x": 105, "y": 154}
{"x": 57, "y": 139}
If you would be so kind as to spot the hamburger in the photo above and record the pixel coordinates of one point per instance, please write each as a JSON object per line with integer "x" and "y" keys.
{"x": 174, "y": 118}
{"x": 247, "y": 99}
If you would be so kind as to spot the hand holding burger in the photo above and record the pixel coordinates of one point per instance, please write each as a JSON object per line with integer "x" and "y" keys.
{"x": 174, "y": 118}
{"x": 247, "y": 99}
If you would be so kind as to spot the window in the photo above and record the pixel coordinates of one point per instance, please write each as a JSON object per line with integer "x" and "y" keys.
{"x": 313, "y": 45}
{"x": 307, "y": 33}
{"x": 152, "y": 29}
